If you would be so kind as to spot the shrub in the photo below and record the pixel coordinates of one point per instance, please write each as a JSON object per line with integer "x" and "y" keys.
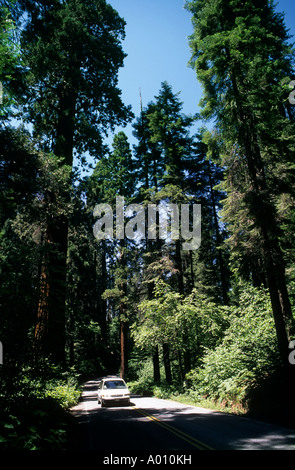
{"x": 247, "y": 353}
{"x": 65, "y": 394}
{"x": 144, "y": 382}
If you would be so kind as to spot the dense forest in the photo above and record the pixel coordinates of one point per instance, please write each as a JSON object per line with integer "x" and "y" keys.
{"x": 212, "y": 322}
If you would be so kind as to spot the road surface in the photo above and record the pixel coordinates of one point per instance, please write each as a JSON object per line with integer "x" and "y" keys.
{"x": 151, "y": 424}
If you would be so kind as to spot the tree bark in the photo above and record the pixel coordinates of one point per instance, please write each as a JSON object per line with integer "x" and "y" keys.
{"x": 123, "y": 319}
{"x": 122, "y": 349}
{"x": 50, "y": 326}
{"x": 167, "y": 365}
{"x": 218, "y": 242}
{"x": 156, "y": 365}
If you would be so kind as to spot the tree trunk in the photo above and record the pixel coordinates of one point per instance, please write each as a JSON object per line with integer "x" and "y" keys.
{"x": 167, "y": 365}
{"x": 100, "y": 289}
{"x": 123, "y": 309}
{"x": 179, "y": 267}
{"x": 181, "y": 377}
{"x": 57, "y": 289}
{"x": 218, "y": 243}
{"x": 122, "y": 350}
{"x": 50, "y": 327}
{"x": 41, "y": 329}
{"x": 156, "y": 365}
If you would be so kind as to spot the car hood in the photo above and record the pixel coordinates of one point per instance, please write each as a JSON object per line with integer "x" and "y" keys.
{"x": 116, "y": 392}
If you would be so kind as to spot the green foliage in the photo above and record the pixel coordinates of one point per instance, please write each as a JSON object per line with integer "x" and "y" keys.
{"x": 242, "y": 57}
{"x": 143, "y": 382}
{"x": 160, "y": 322}
{"x": 74, "y": 75}
{"x": 41, "y": 427}
{"x": 10, "y": 59}
{"x": 247, "y": 354}
{"x": 186, "y": 323}
{"x": 34, "y": 415}
{"x": 164, "y": 141}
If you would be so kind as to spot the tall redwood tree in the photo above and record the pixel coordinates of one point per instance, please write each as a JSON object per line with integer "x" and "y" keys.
{"x": 244, "y": 63}
{"x": 72, "y": 52}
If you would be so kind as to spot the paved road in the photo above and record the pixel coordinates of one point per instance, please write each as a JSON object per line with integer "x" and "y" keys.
{"x": 151, "y": 424}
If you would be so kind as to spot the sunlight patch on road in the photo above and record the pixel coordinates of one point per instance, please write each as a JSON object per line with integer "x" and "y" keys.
{"x": 186, "y": 437}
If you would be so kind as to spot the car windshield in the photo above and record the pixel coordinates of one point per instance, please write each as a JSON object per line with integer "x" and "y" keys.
{"x": 114, "y": 384}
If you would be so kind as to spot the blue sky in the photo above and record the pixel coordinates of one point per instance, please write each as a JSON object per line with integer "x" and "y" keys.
{"x": 157, "y": 46}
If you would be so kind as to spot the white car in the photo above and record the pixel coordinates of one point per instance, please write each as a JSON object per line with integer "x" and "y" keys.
{"x": 112, "y": 390}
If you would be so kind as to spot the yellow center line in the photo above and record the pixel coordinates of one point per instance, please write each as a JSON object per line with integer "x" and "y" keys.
{"x": 186, "y": 437}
